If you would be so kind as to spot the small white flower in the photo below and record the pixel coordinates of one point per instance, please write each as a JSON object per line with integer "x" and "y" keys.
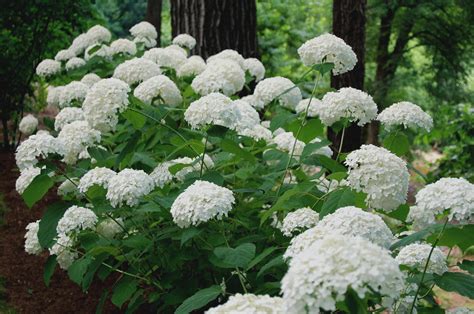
{"x": 72, "y": 94}
{"x": 48, "y": 67}
{"x": 220, "y": 75}
{"x": 32, "y": 245}
{"x": 64, "y": 55}
{"x": 299, "y": 220}
{"x": 407, "y": 114}
{"x": 74, "y": 138}
{"x": 90, "y": 79}
{"x": 159, "y": 87}
{"x": 416, "y": 255}
{"x": 255, "y": 68}
{"x": 102, "y": 51}
{"x": 36, "y": 146}
{"x": 136, "y": 70}
{"x": 168, "y": 57}
{"x": 213, "y": 109}
{"x": 28, "y": 124}
{"x": 123, "y": 46}
{"x": 249, "y": 303}
{"x": 287, "y": 142}
{"x": 75, "y": 219}
{"x": 227, "y": 54}
{"x": 193, "y": 66}
{"x": 64, "y": 251}
{"x": 276, "y": 88}
{"x": 66, "y": 116}
{"x": 109, "y": 228}
{"x": 144, "y": 30}
{"x": 97, "y": 176}
{"x": 312, "y": 109}
{"x": 26, "y": 177}
{"x": 99, "y": 34}
{"x": 128, "y": 186}
{"x": 80, "y": 43}
{"x": 75, "y": 63}
{"x": 185, "y": 41}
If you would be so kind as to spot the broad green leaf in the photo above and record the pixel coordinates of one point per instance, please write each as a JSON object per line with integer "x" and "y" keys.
{"x": 214, "y": 177}
{"x": 456, "y": 282}
{"x": 230, "y": 146}
{"x": 355, "y": 304}
{"x": 124, "y": 290}
{"x": 461, "y": 236}
{"x": 337, "y": 199}
{"x": 127, "y": 150}
{"x": 417, "y": 236}
{"x": 240, "y": 256}
{"x": 309, "y": 131}
{"x": 277, "y": 261}
{"x": 260, "y": 257}
{"x": 49, "y": 268}
{"x": 188, "y": 234}
{"x": 397, "y": 144}
{"x": 37, "y": 189}
{"x": 177, "y": 167}
{"x": 324, "y": 161}
{"x": 100, "y": 305}
{"x": 468, "y": 266}
{"x": 217, "y": 131}
{"x": 337, "y": 176}
{"x": 310, "y": 148}
{"x": 137, "y": 119}
{"x": 47, "y": 224}
{"x": 99, "y": 154}
{"x": 199, "y": 299}
{"x": 323, "y": 68}
{"x": 91, "y": 270}
{"x": 400, "y": 213}
{"x": 77, "y": 270}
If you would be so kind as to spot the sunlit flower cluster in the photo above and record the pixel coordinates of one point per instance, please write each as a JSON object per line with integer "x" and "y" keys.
{"x": 158, "y": 87}
{"x": 32, "y": 245}
{"x": 212, "y": 109}
{"x": 193, "y": 66}
{"x": 249, "y": 303}
{"x": 299, "y": 220}
{"x": 168, "y": 57}
{"x": 144, "y": 32}
{"x": 277, "y": 88}
{"x": 74, "y": 63}
{"x": 255, "y": 68}
{"x": 128, "y": 186}
{"x": 136, "y": 70}
{"x": 97, "y": 176}
{"x": 123, "y": 46}
{"x": 26, "y": 177}
{"x": 76, "y": 137}
{"x": 48, "y": 67}
{"x": 407, "y": 114}
{"x": 72, "y": 94}
{"x": 185, "y": 41}
{"x": 36, "y": 146}
{"x": 66, "y": 116}
{"x": 416, "y": 255}
{"x": 221, "y": 75}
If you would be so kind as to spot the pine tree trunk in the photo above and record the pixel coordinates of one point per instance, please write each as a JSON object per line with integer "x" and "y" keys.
{"x": 349, "y": 24}
{"x": 153, "y": 16}
{"x": 217, "y": 25}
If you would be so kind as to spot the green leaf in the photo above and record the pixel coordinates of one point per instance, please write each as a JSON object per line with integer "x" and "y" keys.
{"x": 47, "y": 224}
{"x": 397, "y": 144}
{"x": 177, "y": 167}
{"x": 309, "y": 131}
{"x": 137, "y": 119}
{"x": 468, "y": 266}
{"x": 400, "y": 213}
{"x": 49, "y": 268}
{"x": 323, "y": 68}
{"x": 355, "y": 304}
{"x": 232, "y": 147}
{"x": 99, "y": 154}
{"x": 77, "y": 270}
{"x": 37, "y": 189}
{"x": 217, "y": 131}
{"x": 199, "y": 299}
{"x": 124, "y": 290}
{"x": 127, "y": 151}
{"x": 189, "y": 233}
{"x": 100, "y": 305}
{"x": 277, "y": 261}
{"x": 240, "y": 256}
{"x": 456, "y": 282}
{"x": 324, "y": 161}
{"x": 310, "y": 148}
{"x": 260, "y": 257}
{"x": 417, "y": 236}
{"x": 214, "y": 177}
{"x": 337, "y": 199}
{"x": 456, "y": 235}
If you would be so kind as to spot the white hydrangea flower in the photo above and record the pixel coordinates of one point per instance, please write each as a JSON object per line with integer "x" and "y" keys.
{"x": 97, "y": 176}
{"x": 380, "y": 174}
{"x": 299, "y": 220}
{"x": 64, "y": 251}
{"x": 123, "y": 46}
{"x": 249, "y": 122}
{"x": 415, "y": 256}
{"x": 99, "y": 34}
{"x": 407, "y": 114}
{"x": 144, "y": 30}
{"x": 90, "y": 79}
{"x": 168, "y": 57}
{"x": 64, "y": 55}
{"x": 28, "y": 124}
{"x": 48, "y": 67}
{"x": 76, "y": 218}
{"x": 285, "y": 141}
{"x": 54, "y": 93}
{"x": 254, "y": 102}
{"x": 249, "y": 303}
{"x": 460, "y": 310}
{"x": 276, "y": 88}
{"x": 147, "y": 42}
{"x": 136, "y": 70}
{"x": 32, "y": 245}
{"x": 36, "y": 146}
{"x": 326, "y": 186}
{"x": 258, "y": 132}
{"x": 453, "y": 194}
{"x": 312, "y": 109}
{"x": 75, "y": 63}
{"x": 69, "y": 187}
{"x": 255, "y": 68}
{"x": 201, "y": 202}
{"x": 66, "y": 116}
{"x": 25, "y": 178}
{"x": 228, "y": 54}
{"x": 128, "y": 186}
{"x": 321, "y": 275}
{"x": 185, "y": 40}
{"x": 215, "y": 109}
{"x": 74, "y": 138}
{"x": 103, "y": 51}
{"x": 328, "y": 48}
{"x": 80, "y": 43}
{"x": 103, "y": 102}
{"x": 220, "y": 75}
{"x": 72, "y": 94}
{"x": 159, "y": 87}
{"x": 349, "y": 103}
{"x": 193, "y": 66}
{"x": 109, "y": 228}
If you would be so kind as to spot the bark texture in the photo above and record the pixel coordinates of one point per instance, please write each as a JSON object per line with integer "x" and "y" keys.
{"x": 217, "y": 25}
{"x": 153, "y": 16}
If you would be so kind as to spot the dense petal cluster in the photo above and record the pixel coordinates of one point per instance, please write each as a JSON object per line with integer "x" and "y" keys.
{"x": 193, "y": 66}
{"x": 276, "y": 88}
{"x": 97, "y": 176}
{"x": 347, "y": 103}
{"x": 48, "y": 67}
{"x": 28, "y": 124}
{"x": 76, "y": 218}
{"x": 74, "y": 63}
{"x": 36, "y": 146}
{"x": 63, "y": 249}
{"x": 416, "y": 255}
{"x": 128, "y": 186}
{"x": 407, "y": 114}
{"x": 54, "y": 92}
{"x": 228, "y": 54}
{"x": 26, "y": 177}
{"x": 98, "y": 34}
{"x": 453, "y": 194}
{"x": 380, "y": 174}
{"x": 136, "y": 70}
{"x": 321, "y": 275}
{"x": 312, "y": 110}
{"x": 250, "y": 304}
{"x": 328, "y": 48}
{"x": 201, "y": 202}
{"x": 64, "y": 55}
{"x": 109, "y": 228}
{"x": 249, "y": 122}
{"x": 185, "y": 41}
{"x": 220, "y": 75}
{"x": 215, "y": 109}
{"x": 102, "y": 51}
{"x": 72, "y": 94}
{"x": 158, "y": 87}
{"x": 66, "y": 116}
{"x": 255, "y": 68}
{"x": 299, "y": 220}
{"x": 144, "y": 30}
{"x": 76, "y": 137}
{"x": 287, "y": 142}
{"x": 90, "y": 79}
{"x": 168, "y": 57}
{"x": 80, "y": 43}
{"x": 123, "y": 46}
{"x": 32, "y": 245}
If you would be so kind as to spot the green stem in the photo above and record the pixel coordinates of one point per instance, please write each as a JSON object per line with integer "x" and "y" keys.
{"x": 203, "y": 155}
{"x": 342, "y": 142}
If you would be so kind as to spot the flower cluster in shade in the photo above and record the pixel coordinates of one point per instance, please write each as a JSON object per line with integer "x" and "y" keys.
{"x": 406, "y": 114}
{"x": 299, "y": 220}
{"x": 249, "y": 303}
{"x": 416, "y": 255}
{"x": 28, "y": 124}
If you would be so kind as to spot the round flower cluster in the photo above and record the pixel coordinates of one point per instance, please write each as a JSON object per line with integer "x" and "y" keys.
{"x": 96, "y": 176}
{"x": 201, "y": 202}
{"x": 185, "y": 41}
{"x": 98, "y": 34}
{"x": 72, "y": 94}
{"x": 54, "y": 92}
{"x": 79, "y": 44}
{"x": 302, "y": 106}
{"x": 76, "y": 137}
{"x": 249, "y": 122}
{"x": 168, "y": 57}
{"x": 144, "y": 32}
{"x": 348, "y": 103}
{"x": 48, "y": 67}
{"x": 160, "y": 87}
{"x": 26, "y": 177}
{"x": 136, "y": 70}
{"x": 249, "y": 303}
{"x": 255, "y": 68}
{"x": 321, "y": 275}
{"x": 328, "y": 48}
{"x": 299, "y": 220}
{"x": 380, "y": 174}
{"x": 228, "y": 54}
{"x": 128, "y": 186}
{"x": 123, "y": 46}
{"x": 407, "y": 114}
{"x": 103, "y": 102}
{"x": 453, "y": 194}
{"x": 75, "y": 63}
{"x": 90, "y": 79}
{"x": 193, "y": 66}
{"x": 276, "y": 88}
{"x": 220, "y": 75}
{"x": 416, "y": 255}
{"x": 109, "y": 228}
{"x": 287, "y": 142}
{"x": 460, "y": 310}
{"x": 28, "y": 124}
{"x": 76, "y": 218}
{"x": 64, "y": 55}
{"x": 32, "y": 245}
{"x": 69, "y": 188}
{"x": 66, "y": 116}
{"x": 36, "y": 146}
{"x": 102, "y": 51}
{"x": 63, "y": 249}
{"x": 215, "y": 109}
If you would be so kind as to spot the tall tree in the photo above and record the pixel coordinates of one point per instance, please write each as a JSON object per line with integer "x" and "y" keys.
{"x": 153, "y": 16}
{"x": 349, "y": 24}
{"x": 217, "y": 25}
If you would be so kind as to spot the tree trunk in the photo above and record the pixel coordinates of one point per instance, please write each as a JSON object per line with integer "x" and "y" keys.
{"x": 217, "y": 25}
{"x": 153, "y": 16}
{"x": 349, "y": 24}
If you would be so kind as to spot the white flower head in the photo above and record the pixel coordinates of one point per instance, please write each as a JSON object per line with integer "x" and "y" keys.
{"x": 54, "y": 93}
{"x": 80, "y": 43}
{"x": 32, "y": 245}
{"x": 299, "y": 220}
{"x": 74, "y": 138}
{"x": 146, "y": 41}
{"x": 287, "y": 142}
{"x": 144, "y": 30}
{"x": 168, "y": 57}
{"x": 75, "y": 219}
{"x": 26, "y": 177}
{"x": 28, "y": 124}
{"x": 460, "y": 310}
{"x": 72, "y": 94}
{"x": 201, "y": 202}
{"x": 321, "y": 275}
{"x": 64, "y": 55}
{"x": 212, "y": 109}
{"x": 74, "y": 63}
{"x": 48, "y": 67}
{"x": 66, "y": 116}
{"x": 36, "y": 146}
{"x": 380, "y": 174}
{"x": 228, "y": 54}
{"x": 63, "y": 249}
{"x": 99, "y": 34}
{"x": 276, "y": 88}
{"x": 97, "y": 176}
{"x": 416, "y": 255}
{"x": 249, "y": 303}
{"x": 136, "y": 70}
{"x": 109, "y": 227}
{"x": 312, "y": 109}
{"x": 325, "y": 150}
{"x": 193, "y": 66}
{"x": 348, "y": 103}
{"x": 328, "y": 48}
{"x": 185, "y": 40}
{"x": 249, "y": 122}
{"x": 90, "y": 79}
{"x": 220, "y": 75}
{"x": 407, "y": 114}
{"x": 255, "y": 68}
{"x": 102, "y": 51}
{"x": 69, "y": 188}
{"x": 123, "y": 46}
{"x": 128, "y": 186}
{"x": 159, "y": 87}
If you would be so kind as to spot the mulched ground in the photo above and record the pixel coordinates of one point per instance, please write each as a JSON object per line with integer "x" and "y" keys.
{"x": 23, "y": 273}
